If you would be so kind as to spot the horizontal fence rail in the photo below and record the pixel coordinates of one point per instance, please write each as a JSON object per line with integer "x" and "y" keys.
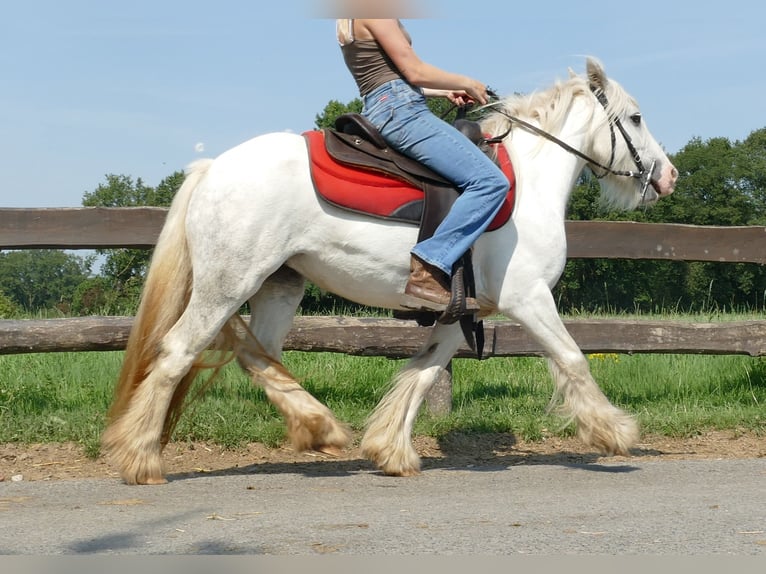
{"x": 80, "y": 227}
{"x": 139, "y": 227}
{"x": 394, "y": 338}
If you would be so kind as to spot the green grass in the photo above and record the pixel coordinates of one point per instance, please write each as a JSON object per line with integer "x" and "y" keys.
{"x": 63, "y": 397}
{"x": 55, "y": 397}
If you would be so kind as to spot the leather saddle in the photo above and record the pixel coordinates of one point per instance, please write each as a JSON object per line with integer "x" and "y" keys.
{"x": 357, "y": 143}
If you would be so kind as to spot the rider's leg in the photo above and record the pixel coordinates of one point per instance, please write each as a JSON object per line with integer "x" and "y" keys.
{"x": 408, "y": 125}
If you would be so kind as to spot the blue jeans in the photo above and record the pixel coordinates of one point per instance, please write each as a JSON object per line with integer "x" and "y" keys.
{"x": 400, "y": 113}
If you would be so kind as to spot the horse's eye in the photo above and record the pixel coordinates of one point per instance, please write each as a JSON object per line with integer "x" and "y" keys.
{"x": 636, "y": 119}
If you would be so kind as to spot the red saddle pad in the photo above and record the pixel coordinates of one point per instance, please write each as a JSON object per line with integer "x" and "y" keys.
{"x": 377, "y": 194}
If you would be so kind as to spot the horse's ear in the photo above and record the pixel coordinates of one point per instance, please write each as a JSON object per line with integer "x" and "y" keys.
{"x": 572, "y": 73}
{"x": 596, "y": 74}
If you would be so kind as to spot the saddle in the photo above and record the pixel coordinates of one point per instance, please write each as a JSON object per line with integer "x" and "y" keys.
{"x": 354, "y": 156}
{"x": 356, "y": 142}
{"x": 425, "y": 199}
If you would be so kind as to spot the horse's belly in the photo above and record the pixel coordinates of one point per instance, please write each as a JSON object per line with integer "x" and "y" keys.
{"x": 358, "y": 272}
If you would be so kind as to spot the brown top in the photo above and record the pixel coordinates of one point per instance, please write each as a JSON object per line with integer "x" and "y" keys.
{"x": 369, "y": 64}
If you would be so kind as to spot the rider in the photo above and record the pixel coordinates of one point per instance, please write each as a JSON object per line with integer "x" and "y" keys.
{"x": 393, "y": 83}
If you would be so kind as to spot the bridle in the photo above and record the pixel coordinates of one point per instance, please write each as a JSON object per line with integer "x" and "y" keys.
{"x": 643, "y": 174}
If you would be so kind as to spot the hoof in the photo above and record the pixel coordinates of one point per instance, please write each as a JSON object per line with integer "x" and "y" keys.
{"x": 402, "y": 473}
{"x": 404, "y": 462}
{"x": 155, "y": 481}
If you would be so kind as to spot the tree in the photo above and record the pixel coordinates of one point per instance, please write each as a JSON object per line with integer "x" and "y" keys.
{"x": 751, "y": 173}
{"x": 166, "y": 190}
{"x": 710, "y": 190}
{"x": 333, "y": 110}
{"x": 721, "y": 183}
{"x": 126, "y": 268}
{"x": 42, "y": 279}
{"x": 8, "y": 308}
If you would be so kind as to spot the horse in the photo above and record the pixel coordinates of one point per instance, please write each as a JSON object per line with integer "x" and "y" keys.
{"x": 248, "y": 227}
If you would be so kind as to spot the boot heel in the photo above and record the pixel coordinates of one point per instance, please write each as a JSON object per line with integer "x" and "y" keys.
{"x": 417, "y": 304}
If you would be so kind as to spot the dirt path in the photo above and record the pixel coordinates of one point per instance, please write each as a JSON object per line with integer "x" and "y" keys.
{"x": 67, "y": 461}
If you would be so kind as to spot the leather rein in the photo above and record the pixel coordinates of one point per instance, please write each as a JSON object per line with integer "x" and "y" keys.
{"x": 643, "y": 174}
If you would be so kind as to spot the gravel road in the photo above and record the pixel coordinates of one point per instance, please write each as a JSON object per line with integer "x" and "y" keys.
{"x": 676, "y": 507}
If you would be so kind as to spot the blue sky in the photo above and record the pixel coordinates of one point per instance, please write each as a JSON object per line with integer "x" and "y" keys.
{"x": 93, "y": 87}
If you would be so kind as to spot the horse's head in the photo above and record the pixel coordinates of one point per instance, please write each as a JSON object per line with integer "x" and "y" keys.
{"x": 639, "y": 172}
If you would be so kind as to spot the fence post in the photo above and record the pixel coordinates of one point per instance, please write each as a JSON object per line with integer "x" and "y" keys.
{"x": 439, "y": 396}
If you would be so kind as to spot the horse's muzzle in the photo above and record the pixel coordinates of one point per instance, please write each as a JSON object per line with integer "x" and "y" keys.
{"x": 666, "y": 184}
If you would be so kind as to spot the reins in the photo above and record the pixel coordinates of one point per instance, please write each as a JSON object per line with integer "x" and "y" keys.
{"x": 642, "y": 174}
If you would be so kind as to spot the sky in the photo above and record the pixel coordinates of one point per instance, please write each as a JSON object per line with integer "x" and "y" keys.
{"x": 90, "y": 88}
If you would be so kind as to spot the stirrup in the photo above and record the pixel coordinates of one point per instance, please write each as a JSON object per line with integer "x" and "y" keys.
{"x": 459, "y": 305}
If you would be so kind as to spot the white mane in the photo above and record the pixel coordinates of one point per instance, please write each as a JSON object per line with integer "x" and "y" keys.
{"x": 549, "y": 110}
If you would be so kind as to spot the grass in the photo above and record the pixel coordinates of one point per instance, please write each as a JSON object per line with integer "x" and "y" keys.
{"x": 63, "y": 397}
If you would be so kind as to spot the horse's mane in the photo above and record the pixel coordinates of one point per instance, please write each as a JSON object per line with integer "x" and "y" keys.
{"x": 549, "y": 108}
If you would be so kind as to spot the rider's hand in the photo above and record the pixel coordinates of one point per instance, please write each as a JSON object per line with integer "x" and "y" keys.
{"x": 459, "y": 97}
{"x": 477, "y": 92}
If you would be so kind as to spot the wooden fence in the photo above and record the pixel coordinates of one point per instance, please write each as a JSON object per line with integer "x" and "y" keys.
{"x": 90, "y": 228}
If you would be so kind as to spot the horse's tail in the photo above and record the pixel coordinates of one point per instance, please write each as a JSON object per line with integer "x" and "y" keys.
{"x": 164, "y": 298}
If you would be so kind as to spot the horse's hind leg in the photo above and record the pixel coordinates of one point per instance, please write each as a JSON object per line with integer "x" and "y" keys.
{"x": 135, "y": 440}
{"x": 310, "y": 424}
{"x": 387, "y": 440}
{"x": 577, "y": 397}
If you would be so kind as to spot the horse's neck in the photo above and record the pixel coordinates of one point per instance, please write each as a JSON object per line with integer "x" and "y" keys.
{"x": 547, "y": 173}
{"x": 546, "y": 176}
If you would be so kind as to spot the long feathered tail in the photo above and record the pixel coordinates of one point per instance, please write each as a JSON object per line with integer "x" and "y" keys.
{"x": 164, "y": 298}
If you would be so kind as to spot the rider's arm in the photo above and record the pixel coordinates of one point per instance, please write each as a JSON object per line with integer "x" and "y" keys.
{"x": 434, "y": 93}
{"x": 417, "y": 72}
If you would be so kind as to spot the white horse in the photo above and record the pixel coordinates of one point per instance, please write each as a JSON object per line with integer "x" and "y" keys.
{"x": 249, "y": 227}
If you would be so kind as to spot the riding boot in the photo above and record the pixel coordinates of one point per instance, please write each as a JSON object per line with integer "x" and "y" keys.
{"x": 428, "y": 289}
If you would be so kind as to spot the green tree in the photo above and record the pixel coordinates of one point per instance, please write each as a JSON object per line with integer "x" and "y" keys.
{"x": 166, "y": 190}
{"x": 751, "y": 173}
{"x": 125, "y": 268}
{"x": 8, "y": 308}
{"x": 333, "y": 110}
{"x": 96, "y": 296}
{"x": 42, "y": 278}
{"x": 721, "y": 183}
{"x": 711, "y": 187}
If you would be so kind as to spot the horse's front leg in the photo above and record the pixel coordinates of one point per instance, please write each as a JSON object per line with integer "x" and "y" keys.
{"x": 387, "y": 441}
{"x": 577, "y": 397}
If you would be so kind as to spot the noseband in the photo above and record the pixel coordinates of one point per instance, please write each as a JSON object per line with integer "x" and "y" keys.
{"x": 643, "y": 174}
